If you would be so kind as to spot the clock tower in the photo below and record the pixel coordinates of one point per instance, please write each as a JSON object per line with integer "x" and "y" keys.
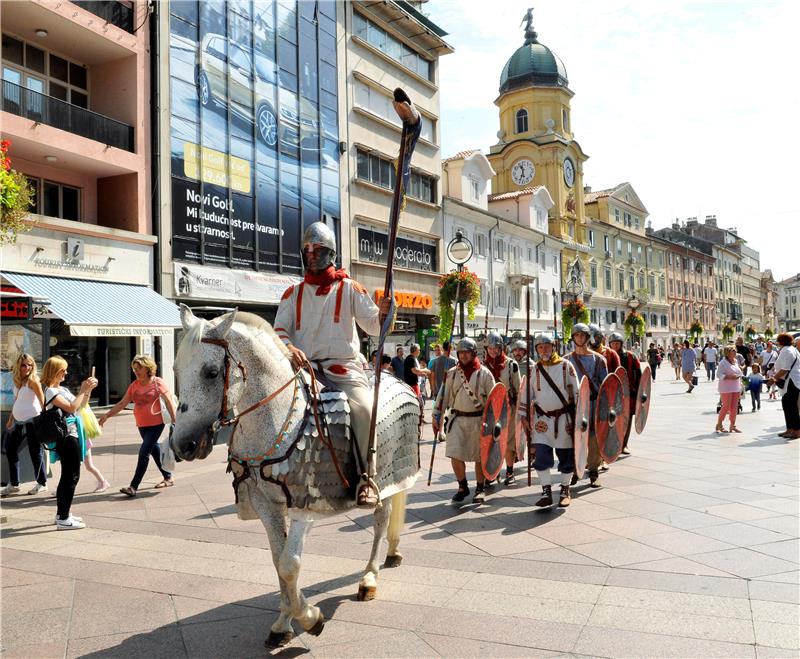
{"x": 536, "y": 145}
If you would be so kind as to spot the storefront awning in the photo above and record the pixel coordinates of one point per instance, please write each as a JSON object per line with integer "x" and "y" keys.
{"x": 95, "y": 308}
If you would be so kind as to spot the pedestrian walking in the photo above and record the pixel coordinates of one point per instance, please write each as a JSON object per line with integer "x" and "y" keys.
{"x": 755, "y": 382}
{"x": 787, "y": 379}
{"x": 147, "y": 393}
{"x": 652, "y": 360}
{"x": 729, "y": 385}
{"x": 688, "y": 364}
{"x": 675, "y": 360}
{"x": 68, "y": 450}
{"x": 710, "y": 356}
{"x": 441, "y": 364}
{"x": 413, "y": 375}
{"x": 744, "y": 351}
{"x": 28, "y": 403}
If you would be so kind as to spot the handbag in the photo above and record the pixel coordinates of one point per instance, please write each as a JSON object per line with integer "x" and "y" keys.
{"x": 90, "y": 425}
{"x": 166, "y": 419}
{"x": 781, "y": 383}
{"x": 50, "y": 426}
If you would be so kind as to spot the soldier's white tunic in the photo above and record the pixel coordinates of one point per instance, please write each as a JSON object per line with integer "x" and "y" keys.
{"x": 555, "y": 432}
{"x": 463, "y": 432}
{"x": 324, "y": 328}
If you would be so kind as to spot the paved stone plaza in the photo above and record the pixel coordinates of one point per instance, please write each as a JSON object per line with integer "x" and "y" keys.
{"x": 689, "y": 550}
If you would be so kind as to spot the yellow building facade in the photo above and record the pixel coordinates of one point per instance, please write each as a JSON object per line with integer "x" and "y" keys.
{"x": 536, "y": 144}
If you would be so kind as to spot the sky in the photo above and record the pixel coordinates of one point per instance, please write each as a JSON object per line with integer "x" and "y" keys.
{"x": 691, "y": 102}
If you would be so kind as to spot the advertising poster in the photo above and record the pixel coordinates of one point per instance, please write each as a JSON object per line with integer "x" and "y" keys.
{"x": 254, "y": 129}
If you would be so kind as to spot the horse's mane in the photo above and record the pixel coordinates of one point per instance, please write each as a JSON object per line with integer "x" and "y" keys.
{"x": 255, "y": 325}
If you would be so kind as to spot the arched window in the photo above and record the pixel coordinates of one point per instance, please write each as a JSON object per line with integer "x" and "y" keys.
{"x": 522, "y": 121}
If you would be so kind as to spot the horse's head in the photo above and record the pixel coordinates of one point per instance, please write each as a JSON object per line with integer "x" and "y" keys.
{"x": 200, "y": 372}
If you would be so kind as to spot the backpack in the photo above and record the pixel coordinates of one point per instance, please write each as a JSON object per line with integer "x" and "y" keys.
{"x": 50, "y": 426}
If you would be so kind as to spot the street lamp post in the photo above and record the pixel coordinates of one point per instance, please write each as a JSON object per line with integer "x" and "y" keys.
{"x": 459, "y": 251}
{"x": 633, "y": 305}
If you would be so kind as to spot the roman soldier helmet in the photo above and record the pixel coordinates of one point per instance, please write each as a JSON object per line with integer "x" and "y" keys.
{"x": 581, "y": 327}
{"x": 543, "y": 340}
{"x": 519, "y": 344}
{"x": 467, "y": 344}
{"x": 595, "y": 332}
{"x": 494, "y": 339}
{"x": 320, "y": 234}
{"x": 615, "y": 336}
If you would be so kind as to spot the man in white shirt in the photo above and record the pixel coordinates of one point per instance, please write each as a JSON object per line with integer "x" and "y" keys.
{"x": 710, "y": 356}
{"x": 787, "y": 377}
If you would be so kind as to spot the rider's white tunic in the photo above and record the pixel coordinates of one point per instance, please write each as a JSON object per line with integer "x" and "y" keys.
{"x": 543, "y": 428}
{"x": 324, "y": 328}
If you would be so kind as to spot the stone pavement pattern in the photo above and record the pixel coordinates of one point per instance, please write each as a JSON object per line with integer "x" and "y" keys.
{"x": 689, "y": 550}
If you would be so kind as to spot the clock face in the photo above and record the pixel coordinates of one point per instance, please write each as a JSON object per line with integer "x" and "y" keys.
{"x": 522, "y": 172}
{"x": 569, "y": 173}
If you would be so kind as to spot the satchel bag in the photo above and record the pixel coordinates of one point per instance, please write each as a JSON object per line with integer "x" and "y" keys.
{"x": 50, "y": 426}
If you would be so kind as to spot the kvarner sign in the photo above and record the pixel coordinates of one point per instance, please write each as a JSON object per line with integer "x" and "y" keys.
{"x": 409, "y": 253}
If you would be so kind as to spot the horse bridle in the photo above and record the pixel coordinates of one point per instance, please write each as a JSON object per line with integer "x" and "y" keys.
{"x": 222, "y": 429}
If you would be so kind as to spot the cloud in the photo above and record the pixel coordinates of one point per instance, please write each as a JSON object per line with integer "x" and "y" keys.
{"x": 694, "y": 103}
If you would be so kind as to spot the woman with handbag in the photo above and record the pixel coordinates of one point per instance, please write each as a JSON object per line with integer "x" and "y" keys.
{"x": 729, "y": 385}
{"x": 151, "y": 399}
{"x": 28, "y": 402}
{"x": 68, "y": 446}
{"x": 787, "y": 379}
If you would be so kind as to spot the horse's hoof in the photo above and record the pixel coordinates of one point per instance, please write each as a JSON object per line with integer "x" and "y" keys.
{"x": 316, "y": 630}
{"x": 393, "y": 561}
{"x": 366, "y": 593}
{"x": 279, "y": 639}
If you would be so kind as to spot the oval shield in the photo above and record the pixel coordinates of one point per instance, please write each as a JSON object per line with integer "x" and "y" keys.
{"x": 583, "y": 409}
{"x": 622, "y": 374}
{"x": 611, "y": 418}
{"x": 494, "y": 431}
{"x": 643, "y": 399}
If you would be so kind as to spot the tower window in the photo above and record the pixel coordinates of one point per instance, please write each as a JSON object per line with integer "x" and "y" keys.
{"x": 522, "y": 121}
{"x": 565, "y": 119}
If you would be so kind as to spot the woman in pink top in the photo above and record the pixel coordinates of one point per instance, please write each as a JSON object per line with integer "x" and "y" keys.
{"x": 147, "y": 393}
{"x": 729, "y": 384}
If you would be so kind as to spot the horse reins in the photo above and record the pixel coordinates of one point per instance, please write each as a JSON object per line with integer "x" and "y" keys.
{"x": 224, "y": 420}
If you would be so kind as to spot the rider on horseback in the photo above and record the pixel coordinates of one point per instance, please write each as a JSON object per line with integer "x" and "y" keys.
{"x": 317, "y": 321}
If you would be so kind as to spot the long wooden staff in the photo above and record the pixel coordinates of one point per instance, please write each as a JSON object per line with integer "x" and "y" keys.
{"x": 528, "y": 379}
{"x": 412, "y": 127}
{"x": 441, "y": 386}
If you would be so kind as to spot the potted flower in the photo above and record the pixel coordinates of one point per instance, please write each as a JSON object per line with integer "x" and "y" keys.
{"x": 768, "y": 333}
{"x": 572, "y": 312}
{"x": 727, "y": 332}
{"x": 750, "y": 333}
{"x": 634, "y": 325}
{"x": 696, "y": 330}
{"x": 15, "y": 199}
{"x": 464, "y": 284}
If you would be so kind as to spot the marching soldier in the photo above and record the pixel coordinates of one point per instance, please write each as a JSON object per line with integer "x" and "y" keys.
{"x": 593, "y": 366}
{"x": 554, "y": 387}
{"x": 466, "y": 389}
{"x": 316, "y": 320}
{"x": 630, "y": 362}
{"x": 519, "y": 350}
{"x": 505, "y": 370}
{"x": 598, "y": 344}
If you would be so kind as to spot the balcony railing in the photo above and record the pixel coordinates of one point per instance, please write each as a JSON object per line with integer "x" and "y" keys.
{"x": 111, "y": 11}
{"x": 519, "y": 270}
{"x": 60, "y": 114}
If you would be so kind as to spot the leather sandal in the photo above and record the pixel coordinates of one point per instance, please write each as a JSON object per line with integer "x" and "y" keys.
{"x": 167, "y": 482}
{"x": 128, "y": 491}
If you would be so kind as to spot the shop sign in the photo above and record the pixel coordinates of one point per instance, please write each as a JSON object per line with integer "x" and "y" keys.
{"x": 408, "y": 300}
{"x": 15, "y": 308}
{"x": 119, "y": 330}
{"x": 409, "y": 253}
{"x": 204, "y": 283}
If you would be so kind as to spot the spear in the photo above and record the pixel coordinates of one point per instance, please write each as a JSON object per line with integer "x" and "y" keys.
{"x": 529, "y": 371}
{"x": 412, "y": 127}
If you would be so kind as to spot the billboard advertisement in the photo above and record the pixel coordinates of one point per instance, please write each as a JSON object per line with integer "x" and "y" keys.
{"x": 253, "y": 129}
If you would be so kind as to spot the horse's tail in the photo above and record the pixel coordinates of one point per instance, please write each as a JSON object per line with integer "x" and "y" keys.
{"x": 397, "y": 520}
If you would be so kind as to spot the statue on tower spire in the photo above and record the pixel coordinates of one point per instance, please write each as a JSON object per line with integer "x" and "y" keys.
{"x": 530, "y": 34}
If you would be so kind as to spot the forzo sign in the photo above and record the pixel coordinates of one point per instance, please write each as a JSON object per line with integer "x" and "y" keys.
{"x": 408, "y": 300}
{"x": 408, "y": 253}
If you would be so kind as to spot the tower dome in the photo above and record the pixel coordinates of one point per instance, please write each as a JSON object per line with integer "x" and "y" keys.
{"x": 533, "y": 63}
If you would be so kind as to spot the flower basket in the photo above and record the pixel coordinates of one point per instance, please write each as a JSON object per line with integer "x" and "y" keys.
{"x": 696, "y": 329}
{"x": 750, "y": 333}
{"x": 572, "y": 312}
{"x": 634, "y": 325}
{"x": 768, "y": 333}
{"x": 727, "y": 332}
{"x": 468, "y": 286}
{"x": 15, "y": 199}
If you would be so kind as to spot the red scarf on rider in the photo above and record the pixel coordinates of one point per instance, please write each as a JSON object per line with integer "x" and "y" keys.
{"x": 470, "y": 368}
{"x": 325, "y": 279}
{"x": 496, "y": 364}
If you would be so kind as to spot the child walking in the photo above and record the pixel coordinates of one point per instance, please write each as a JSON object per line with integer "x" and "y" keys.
{"x": 755, "y": 382}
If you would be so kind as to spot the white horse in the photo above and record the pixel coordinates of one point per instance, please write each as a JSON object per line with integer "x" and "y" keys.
{"x": 284, "y": 471}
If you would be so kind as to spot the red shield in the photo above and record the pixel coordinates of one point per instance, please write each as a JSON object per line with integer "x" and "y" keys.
{"x": 611, "y": 418}
{"x": 494, "y": 431}
{"x": 643, "y": 399}
{"x": 583, "y": 408}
